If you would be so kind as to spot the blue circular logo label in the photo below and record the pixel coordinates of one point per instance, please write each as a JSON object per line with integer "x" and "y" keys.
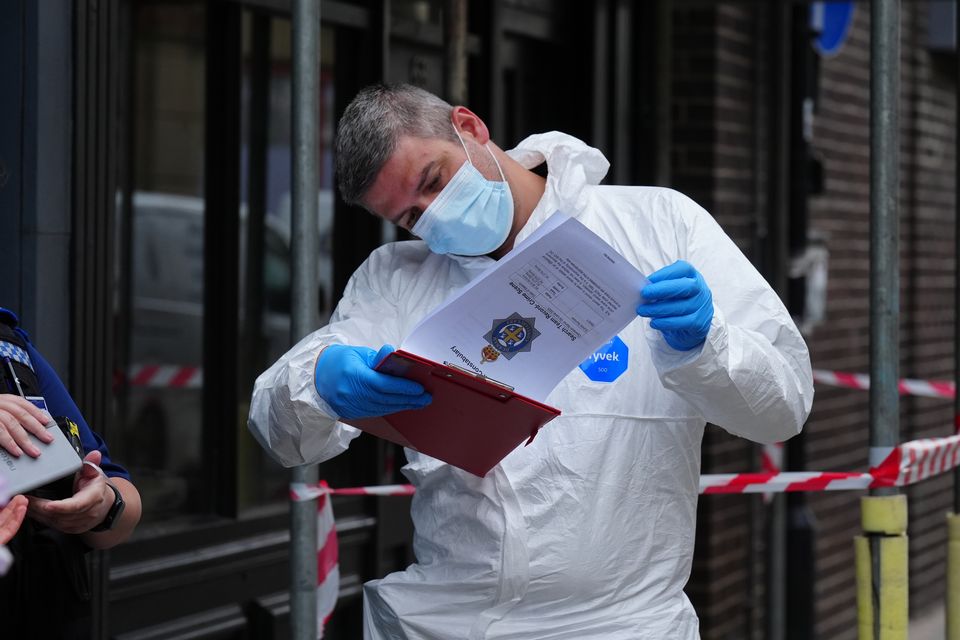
{"x": 607, "y": 363}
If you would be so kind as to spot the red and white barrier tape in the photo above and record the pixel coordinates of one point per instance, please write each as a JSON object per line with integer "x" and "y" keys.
{"x": 927, "y": 388}
{"x": 328, "y": 562}
{"x": 300, "y": 491}
{"x": 907, "y": 464}
{"x": 771, "y": 458}
{"x": 165, "y": 376}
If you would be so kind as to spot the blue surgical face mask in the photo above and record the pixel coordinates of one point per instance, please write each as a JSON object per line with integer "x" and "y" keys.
{"x": 471, "y": 216}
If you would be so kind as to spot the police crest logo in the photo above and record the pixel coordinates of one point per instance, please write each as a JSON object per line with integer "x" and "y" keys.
{"x": 512, "y": 335}
{"x": 488, "y": 354}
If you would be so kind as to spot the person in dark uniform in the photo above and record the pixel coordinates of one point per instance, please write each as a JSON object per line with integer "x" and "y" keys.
{"x": 46, "y": 593}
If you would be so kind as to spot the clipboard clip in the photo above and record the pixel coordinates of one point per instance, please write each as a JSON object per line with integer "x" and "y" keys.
{"x": 477, "y": 375}
{"x": 533, "y": 433}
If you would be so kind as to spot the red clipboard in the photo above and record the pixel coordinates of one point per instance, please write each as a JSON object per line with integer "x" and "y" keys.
{"x": 472, "y": 423}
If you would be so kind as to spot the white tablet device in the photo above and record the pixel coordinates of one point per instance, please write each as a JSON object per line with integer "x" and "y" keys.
{"x": 57, "y": 460}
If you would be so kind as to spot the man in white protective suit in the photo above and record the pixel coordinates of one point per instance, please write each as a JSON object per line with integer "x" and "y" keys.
{"x": 587, "y": 533}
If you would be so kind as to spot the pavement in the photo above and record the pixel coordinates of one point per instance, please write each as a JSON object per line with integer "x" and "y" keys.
{"x": 930, "y": 626}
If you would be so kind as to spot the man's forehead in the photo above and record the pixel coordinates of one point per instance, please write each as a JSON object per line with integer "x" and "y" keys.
{"x": 411, "y": 154}
{"x": 401, "y": 173}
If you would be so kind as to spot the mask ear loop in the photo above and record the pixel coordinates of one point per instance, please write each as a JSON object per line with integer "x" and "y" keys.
{"x": 462, "y": 144}
{"x": 496, "y": 162}
{"x": 487, "y": 147}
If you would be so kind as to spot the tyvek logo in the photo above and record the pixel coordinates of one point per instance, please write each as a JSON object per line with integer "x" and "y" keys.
{"x": 607, "y": 363}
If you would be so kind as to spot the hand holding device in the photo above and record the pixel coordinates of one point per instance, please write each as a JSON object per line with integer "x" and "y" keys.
{"x": 18, "y": 417}
{"x": 88, "y": 507}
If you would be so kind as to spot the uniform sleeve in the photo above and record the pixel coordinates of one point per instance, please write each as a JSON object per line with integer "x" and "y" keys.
{"x": 287, "y": 415}
{"x": 752, "y": 376}
{"x": 60, "y": 403}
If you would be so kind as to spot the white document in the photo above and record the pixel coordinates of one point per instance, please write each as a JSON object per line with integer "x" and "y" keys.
{"x": 528, "y": 320}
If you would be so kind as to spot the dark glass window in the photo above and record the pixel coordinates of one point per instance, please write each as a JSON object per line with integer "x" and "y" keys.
{"x": 179, "y": 460}
{"x": 160, "y": 263}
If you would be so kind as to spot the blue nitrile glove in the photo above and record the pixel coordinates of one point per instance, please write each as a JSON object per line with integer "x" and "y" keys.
{"x": 346, "y": 379}
{"x": 680, "y": 303}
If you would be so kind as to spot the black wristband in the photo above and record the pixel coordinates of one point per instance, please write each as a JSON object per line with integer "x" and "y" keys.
{"x": 116, "y": 509}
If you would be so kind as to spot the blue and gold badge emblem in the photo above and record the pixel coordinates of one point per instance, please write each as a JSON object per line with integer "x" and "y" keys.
{"x": 510, "y": 336}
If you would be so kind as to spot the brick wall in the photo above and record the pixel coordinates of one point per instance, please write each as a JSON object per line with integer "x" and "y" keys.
{"x": 719, "y": 110}
{"x": 928, "y": 190}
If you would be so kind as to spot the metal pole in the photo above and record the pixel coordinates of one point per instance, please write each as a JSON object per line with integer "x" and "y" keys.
{"x": 801, "y": 528}
{"x": 306, "y": 108}
{"x": 882, "y": 564}
{"x": 456, "y": 51}
{"x": 759, "y": 530}
{"x": 779, "y": 260}
{"x": 884, "y": 241}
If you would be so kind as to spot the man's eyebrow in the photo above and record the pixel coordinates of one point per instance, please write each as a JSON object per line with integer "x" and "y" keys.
{"x": 424, "y": 174}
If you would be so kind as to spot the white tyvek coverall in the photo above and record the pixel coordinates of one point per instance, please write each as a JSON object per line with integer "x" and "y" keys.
{"x": 588, "y": 532}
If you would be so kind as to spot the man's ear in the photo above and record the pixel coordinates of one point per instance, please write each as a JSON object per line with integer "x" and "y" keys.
{"x": 470, "y": 125}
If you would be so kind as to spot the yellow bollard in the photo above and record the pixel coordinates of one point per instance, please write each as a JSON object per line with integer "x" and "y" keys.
{"x": 861, "y": 548}
{"x": 953, "y": 576}
{"x": 881, "y": 557}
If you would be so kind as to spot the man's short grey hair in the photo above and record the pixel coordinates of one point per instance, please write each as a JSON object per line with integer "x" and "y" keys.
{"x": 372, "y": 125}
